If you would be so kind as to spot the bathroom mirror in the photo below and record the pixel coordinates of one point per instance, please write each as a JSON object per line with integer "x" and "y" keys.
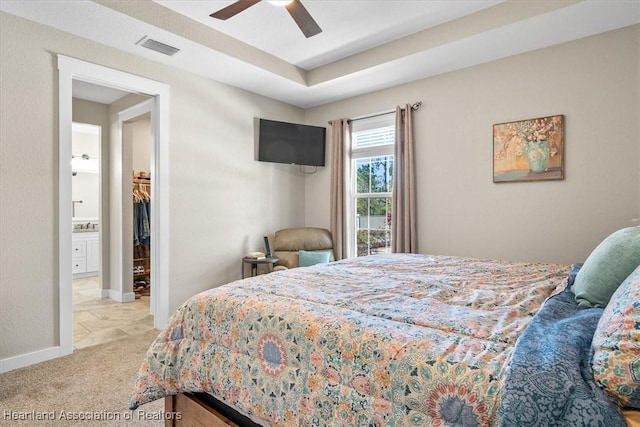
{"x": 85, "y": 164}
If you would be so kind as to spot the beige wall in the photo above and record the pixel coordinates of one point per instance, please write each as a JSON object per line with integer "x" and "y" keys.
{"x": 141, "y": 144}
{"x": 221, "y": 201}
{"x": 594, "y": 82}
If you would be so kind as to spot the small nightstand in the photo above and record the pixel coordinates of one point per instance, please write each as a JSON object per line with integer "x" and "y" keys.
{"x": 254, "y": 263}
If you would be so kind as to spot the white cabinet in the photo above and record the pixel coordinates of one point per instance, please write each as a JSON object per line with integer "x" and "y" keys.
{"x": 93, "y": 254}
{"x": 85, "y": 253}
{"x": 78, "y": 256}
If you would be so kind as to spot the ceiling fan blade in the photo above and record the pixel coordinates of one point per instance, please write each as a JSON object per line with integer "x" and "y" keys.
{"x": 304, "y": 20}
{"x": 233, "y": 9}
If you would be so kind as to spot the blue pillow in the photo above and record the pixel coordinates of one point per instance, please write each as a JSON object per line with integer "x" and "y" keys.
{"x": 307, "y": 259}
{"x": 575, "y": 268}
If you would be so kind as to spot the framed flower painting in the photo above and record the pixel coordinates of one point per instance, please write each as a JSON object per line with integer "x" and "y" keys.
{"x": 529, "y": 150}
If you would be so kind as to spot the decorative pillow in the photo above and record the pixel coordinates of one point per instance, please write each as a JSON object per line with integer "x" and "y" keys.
{"x": 606, "y": 267}
{"x": 307, "y": 258}
{"x": 616, "y": 345}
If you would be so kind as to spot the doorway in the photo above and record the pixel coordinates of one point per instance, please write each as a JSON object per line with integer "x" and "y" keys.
{"x": 137, "y": 142}
{"x": 136, "y": 133}
{"x": 71, "y": 70}
{"x": 99, "y": 315}
{"x": 85, "y": 238}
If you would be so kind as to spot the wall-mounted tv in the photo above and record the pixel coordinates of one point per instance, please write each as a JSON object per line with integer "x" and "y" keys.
{"x": 282, "y": 142}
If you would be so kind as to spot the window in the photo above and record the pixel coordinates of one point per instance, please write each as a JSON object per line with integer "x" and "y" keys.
{"x": 372, "y": 183}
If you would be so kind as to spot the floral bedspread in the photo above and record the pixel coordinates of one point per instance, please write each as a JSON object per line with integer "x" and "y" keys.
{"x": 394, "y": 340}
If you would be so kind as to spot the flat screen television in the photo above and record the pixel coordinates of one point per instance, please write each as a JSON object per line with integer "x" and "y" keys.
{"x": 282, "y": 142}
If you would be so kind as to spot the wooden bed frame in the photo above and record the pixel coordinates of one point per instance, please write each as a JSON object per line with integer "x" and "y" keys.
{"x": 201, "y": 410}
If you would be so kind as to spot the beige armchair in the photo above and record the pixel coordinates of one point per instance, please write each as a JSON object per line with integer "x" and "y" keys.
{"x": 288, "y": 242}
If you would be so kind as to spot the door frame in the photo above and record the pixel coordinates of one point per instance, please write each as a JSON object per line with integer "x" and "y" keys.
{"x": 70, "y": 69}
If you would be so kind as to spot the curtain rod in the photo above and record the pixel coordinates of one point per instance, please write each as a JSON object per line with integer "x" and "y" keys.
{"x": 414, "y": 107}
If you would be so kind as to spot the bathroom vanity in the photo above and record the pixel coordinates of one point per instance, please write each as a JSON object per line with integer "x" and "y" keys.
{"x": 85, "y": 252}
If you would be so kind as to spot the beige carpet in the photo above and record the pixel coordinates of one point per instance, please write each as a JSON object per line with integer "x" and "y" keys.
{"x": 92, "y": 382}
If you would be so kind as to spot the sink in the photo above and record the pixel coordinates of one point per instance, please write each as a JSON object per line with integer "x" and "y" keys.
{"x": 85, "y": 230}
{"x": 86, "y": 227}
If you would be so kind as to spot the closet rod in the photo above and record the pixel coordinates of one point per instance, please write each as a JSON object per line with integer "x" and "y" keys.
{"x": 414, "y": 107}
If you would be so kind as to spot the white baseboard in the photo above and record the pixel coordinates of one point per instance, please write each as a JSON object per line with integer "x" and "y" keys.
{"x": 22, "y": 360}
{"x": 27, "y": 359}
{"x": 119, "y": 296}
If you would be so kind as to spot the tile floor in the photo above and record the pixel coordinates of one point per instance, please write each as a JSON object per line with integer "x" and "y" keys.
{"x": 98, "y": 320}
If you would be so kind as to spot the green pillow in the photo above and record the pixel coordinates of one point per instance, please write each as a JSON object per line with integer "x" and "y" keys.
{"x": 306, "y": 258}
{"x": 610, "y": 263}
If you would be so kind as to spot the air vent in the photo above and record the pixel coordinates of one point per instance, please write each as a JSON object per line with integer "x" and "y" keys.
{"x": 159, "y": 47}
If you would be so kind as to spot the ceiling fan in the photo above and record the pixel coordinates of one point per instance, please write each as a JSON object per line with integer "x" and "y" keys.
{"x": 298, "y": 12}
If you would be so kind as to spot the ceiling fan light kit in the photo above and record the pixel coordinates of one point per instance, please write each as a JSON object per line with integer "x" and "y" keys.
{"x": 298, "y": 12}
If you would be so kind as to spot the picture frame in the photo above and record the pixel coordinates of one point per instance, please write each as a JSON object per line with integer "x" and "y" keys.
{"x": 529, "y": 150}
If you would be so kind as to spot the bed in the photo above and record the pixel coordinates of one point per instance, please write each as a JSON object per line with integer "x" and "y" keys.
{"x": 383, "y": 340}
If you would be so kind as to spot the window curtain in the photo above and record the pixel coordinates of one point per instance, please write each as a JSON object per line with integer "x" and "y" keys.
{"x": 403, "y": 220}
{"x": 340, "y": 131}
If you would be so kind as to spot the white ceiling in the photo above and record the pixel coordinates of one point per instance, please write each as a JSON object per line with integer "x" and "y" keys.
{"x": 349, "y": 27}
{"x": 96, "y": 93}
{"x": 365, "y": 45}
